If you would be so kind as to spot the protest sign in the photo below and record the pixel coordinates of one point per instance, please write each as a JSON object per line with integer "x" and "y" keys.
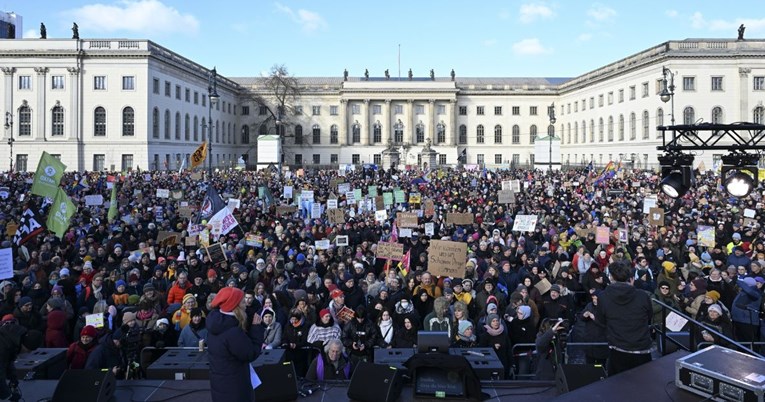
{"x": 253, "y": 240}
{"x": 315, "y": 210}
{"x": 322, "y": 244}
{"x": 447, "y": 258}
{"x": 543, "y": 286}
{"x": 406, "y": 220}
{"x": 459, "y": 218}
{"x": 350, "y": 197}
{"x": 390, "y": 251}
{"x": 287, "y": 192}
{"x": 332, "y": 203}
{"x": 306, "y": 195}
{"x": 163, "y": 193}
{"x": 94, "y": 200}
{"x": 656, "y": 216}
{"x": 415, "y": 198}
{"x": 336, "y": 216}
{"x": 176, "y": 194}
{"x": 429, "y": 207}
{"x": 399, "y": 196}
{"x": 525, "y": 223}
{"x": 601, "y": 235}
{"x": 285, "y": 209}
{"x": 343, "y": 188}
{"x": 706, "y": 236}
{"x": 388, "y": 199}
{"x": 379, "y": 202}
{"x": 506, "y": 197}
{"x": 381, "y": 215}
{"x": 341, "y": 240}
{"x": 216, "y": 253}
{"x": 649, "y": 202}
{"x": 6, "y": 263}
{"x": 95, "y": 320}
{"x": 429, "y": 229}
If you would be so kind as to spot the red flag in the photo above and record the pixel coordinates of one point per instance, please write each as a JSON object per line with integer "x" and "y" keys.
{"x": 403, "y": 265}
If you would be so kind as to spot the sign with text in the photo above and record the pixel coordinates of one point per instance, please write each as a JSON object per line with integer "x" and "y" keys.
{"x": 287, "y": 192}
{"x": 306, "y": 195}
{"x": 390, "y": 251}
{"x": 459, "y": 218}
{"x": 430, "y": 229}
{"x": 601, "y": 235}
{"x": 285, "y": 209}
{"x": 379, "y": 202}
{"x": 399, "y": 196}
{"x": 94, "y": 200}
{"x": 216, "y": 253}
{"x": 407, "y": 220}
{"x": 706, "y": 236}
{"x": 336, "y": 216}
{"x": 322, "y": 244}
{"x": 656, "y": 216}
{"x": 341, "y": 240}
{"x": 315, "y": 210}
{"x": 6, "y": 263}
{"x": 343, "y": 188}
{"x": 506, "y": 197}
{"x": 332, "y": 203}
{"x": 163, "y": 193}
{"x": 447, "y": 258}
{"x": 525, "y": 223}
{"x": 429, "y": 207}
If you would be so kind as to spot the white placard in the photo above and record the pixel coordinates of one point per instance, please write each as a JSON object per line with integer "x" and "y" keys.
{"x": 525, "y": 223}
{"x": 94, "y": 200}
{"x": 341, "y": 240}
{"x": 381, "y": 215}
{"x": 675, "y": 322}
{"x": 343, "y": 188}
{"x": 163, "y": 193}
{"x": 748, "y": 213}
{"x": 315, "y": 210}
{"x": 233, "y": 203}
{"x": 322, "y": 244}
{"x": 350, "y": 197}
{"x": 405, "y": 232}
{"x": 515, "y": 185}
{"x": 429, "y": 229}
{"x": 332, "y": 203}
{"x": 507, "y": 184}
{"x": 287, "y": 193}
{"x": 95, "y": 320}
{"x": 575, "y": 184}
{"x": 6, "y": 263}
{"x": 648, "y": 203}
{"x": 306, "y": 195}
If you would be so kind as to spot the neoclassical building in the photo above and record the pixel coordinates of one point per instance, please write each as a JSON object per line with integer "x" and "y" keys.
{"x": 119, "y": 104}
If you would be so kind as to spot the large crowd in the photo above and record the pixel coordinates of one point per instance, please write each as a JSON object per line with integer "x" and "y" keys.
{"x": 109, "y": 289}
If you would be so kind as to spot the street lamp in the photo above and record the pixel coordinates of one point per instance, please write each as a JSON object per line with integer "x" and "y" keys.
{"x": 280, "y": 138}
{"x": 550, "y": 135}
{"x": 11, "y": 140}
{"x": 212, "y": 94}
{"x": 668, "y": 93}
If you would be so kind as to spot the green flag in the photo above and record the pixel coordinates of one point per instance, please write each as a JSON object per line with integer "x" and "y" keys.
{"x": 112, "y": 205}
{"x": 60, "y": 213}
{"x": 48, "y": 176}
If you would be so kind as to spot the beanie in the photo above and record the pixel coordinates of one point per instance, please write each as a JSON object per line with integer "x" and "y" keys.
{"x": 128, "y": 316}
{"x": 464, "y": 325}
{"x": 714, "y": 295}
{"x": 147, "y": 287}
{"x": 57, "y": 288}
{"x": 336, "y": 293}
{"x": 211, "y": 273}
{"x": 228, "y": 299}
{"x": 715, "y": 307}
{"x": 89, "y": 330}
{"x": 133, "y": 299}
{"x": 491, "y": 317}
{"x": 748, "y": 280}
{"x": 28, "y": 300}
{"x": 323, "y": 312}
{"x": 64, "y": 272}
{"x": 120, "y": 283}
{"x": 491, "y": 307}
{"x": 665, "y": 283}
{"x": 267, "y": 311}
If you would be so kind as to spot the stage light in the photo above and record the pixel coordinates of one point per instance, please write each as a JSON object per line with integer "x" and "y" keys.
{"x": 739, "y": 173}
{"x": 676, "y": 174}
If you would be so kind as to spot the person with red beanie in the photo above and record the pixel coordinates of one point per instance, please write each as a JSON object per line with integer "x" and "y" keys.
{"x": 233, "y": 342}
{"x": 78, "y": 352}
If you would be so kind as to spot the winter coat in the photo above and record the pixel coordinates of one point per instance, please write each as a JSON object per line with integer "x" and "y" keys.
{"x": 105, "y": 356}
{"x": 77, "y": 354}
{"x": 548, "y": 357}
{"x": 10, "y": 346}
{"x": 746, "y": 305}
{"x": 594, "y": 331}
{"x": 403, "y": 338}
{"x": 176, "y": 293}
{"x": 656, "y": 307}
{"x": 230, "y": 351}
{"x": 56, "y": 331}
{"x": 190, "y": 337}
{"x": 626, "y": 313}
{"x": 31, "y": 320}
{"x": 272, "y": 336}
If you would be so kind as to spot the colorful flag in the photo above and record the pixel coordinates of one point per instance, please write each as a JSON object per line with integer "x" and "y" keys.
{"x": 394, "y": 232}
{"x": 29, "y": 227}
{"x": 403, "y": 265}
{"x": 211, "y": 204}
{"x": 199, "y": 156}
{"x": 48, "y": 176}
{"x": 112, "y": 205}
{"x": 60, "y": 213}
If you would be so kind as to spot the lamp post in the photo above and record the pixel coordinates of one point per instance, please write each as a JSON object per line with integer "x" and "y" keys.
{"x": 11, "y": 140}
{"x": 212, "y": 94}
{"x": 550, "y": 135}
{"x": 668, "y": 93}
{"x": 279, "y": 139}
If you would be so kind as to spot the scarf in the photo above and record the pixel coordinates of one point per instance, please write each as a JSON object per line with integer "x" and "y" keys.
{"x": 298, "y": 324}
{"x": 464, "y": 338}
{"x": 386, "y": 329}
{"x": 494, "y": 332}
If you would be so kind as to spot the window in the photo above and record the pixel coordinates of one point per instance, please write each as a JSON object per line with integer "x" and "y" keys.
{"x": 316, "y": 159}
{"x": 633, "y": 126}
{"x": 440, "y": 133}
{"x": 196, "y": 98}
{"x": 57, "y": 82}
{"x": 376, "y": 109}
{"x": 419, "y": 131}
{"x": 592, "y": 102}
{"x": 497, "y": 134}
{"x": 479, "y": 134}
{"x": 440, "y": 109}
{"x": 25, "y": 82}
{"x": 204, "y": 101}
{"x": 759, "y": 83}
{"x": 57, "y": 121}
{"x": 333, "y": 134}
{"x": 479, "y": 159}
{"x": 717, "y": 115}
{"x": 463, "y": 135}
{"x": 155, "y": 123}
{"x": 245, "y": 134}
{"x": 659, "y": 120}
{"x": 128, "y": 83}
{"x": 316, "y": 110}
{"x": 645, "y": 89}
{"x": 155, "y": 85}
{"x": 646, "y": 123}
{"x": 178, "y": 92}
{"x": 498, "y": 110}
{"x": 377, "y": 133}
{"x": 21, "y": 162}
{"x": 178, "y": 127}
{"x": 245, "y": 110}
{"x": 128, "y": 122}
{"x": 689, "y": 83}
{"x": 99, "y": 83}
{"x": 316, "y": 134}
{"x": 576, "y": 104}
{"x": 516, "y": 134}
{"x": 600, "y": 129}
{"x": 262, "y": 110}
{"x": 576, "y": 133}
{"x": 516, "y": 110}
{"x": 25, "y": 121}
{"x": 196, "y": 128}
{"x": 398, "y": 132}
{"x": 99, "y": 122}
{"x": 333, "y": 159}
{"x": 479, "y": 110}
{"x": 398, "y": 109}
{"x": 419, "y": 109}
{"x": 610, "y": 128}
{"x": 355, "y": 134}
{"x": 689, "y": 115}
{"x": 533, "y": 134}
{"x": 298, "y": 132}
{"x": 632, "y": 92}
{"x": 621, "y": 126}
{"x": 611, "y": 98}
{"x": 99, "y": 162}
{"x": 442, "y": 159}
{"x": 600, "y": 100}
{"x": 127, "y": 162}
{"x": 717, "y": 83}
{"x": 463, "y": 110}
{"x": 533, "y": 110}
{"x": 497, "y": 158}
{"x": 298, "y": 159}
{"x": 167, "y": 125}
{"x": 759, "y": 115}
{"x": 187, "y": 128}
{"x": 167, "y": 89}
{"x": 355, "y": 109}
{"x": 187, "y": 95}
{"x": 621, "y": 95}
{"x": 584, "y": 131}
{"x": 355, "y": 159}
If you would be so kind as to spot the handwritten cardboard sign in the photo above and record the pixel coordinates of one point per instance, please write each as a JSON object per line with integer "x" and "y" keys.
{"x": 216, "y": 253}
{"x": 341, "y": 240}
{"x": 459, "y": 218}
{"x": 165, "y": 238}
{"x": 390, "y": 251}
{"x": 656, "y": 216}
{"x": 447, "y": 258}
{"x": 285, "y": 209}
{"x": 336, "y": 216}
{"x": 407, "y": 220}
{"x": 506, "y": 197}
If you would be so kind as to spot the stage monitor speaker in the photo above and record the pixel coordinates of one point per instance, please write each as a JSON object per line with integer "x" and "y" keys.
{"x": 278, "y": 383}
{"x": 375, "y": 383}
{"x": 569, "y": 377}
{"x": 85, "y": 385}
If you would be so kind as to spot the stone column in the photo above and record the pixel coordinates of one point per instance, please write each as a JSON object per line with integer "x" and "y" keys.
{"x": 431, "y": 121}
{"x": 343, "y": 131}
{"x": 74, "y": 109}
{"x": 744, "y": 85}
{"x": 8, "y": 99}
{"x": 387, "y": 126}
{"x": 410, "y": 122}
{"x": 42, "y": 110}
{"x": 365, "y": 126}
{"x": 451, "y": 129}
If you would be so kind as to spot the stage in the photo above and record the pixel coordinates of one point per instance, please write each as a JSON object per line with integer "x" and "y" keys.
{"x": 653, "y": 381}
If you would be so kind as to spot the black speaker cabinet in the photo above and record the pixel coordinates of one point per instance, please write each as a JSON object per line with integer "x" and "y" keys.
{"x": 85, "y": 385}
{"x": 269, "y": 356}
{"x": 41, "y": 364}
{"x": 375, "y": 383}
{"x": 569, "y": 377}
{"x": 278, "y": 383}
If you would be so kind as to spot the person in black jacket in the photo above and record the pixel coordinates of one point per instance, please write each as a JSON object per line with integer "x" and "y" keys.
{"x": 14, "y": 339}
{"x": 406, "y": 336}
{"x": 495, "y": 337}
{"x": 360, "y": 337}
{"x": 549, "y": 348}
{"x": 626, "y": 313}
{"x": 108, "y": 355}
{"x": 594, "y": 331}
{"x": 522, "y": 331}
{"x": 295, "y": 340}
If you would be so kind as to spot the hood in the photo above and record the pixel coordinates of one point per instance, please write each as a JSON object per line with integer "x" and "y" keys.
{"x": 218, "y": 323}
{"x": 622, "y": 293}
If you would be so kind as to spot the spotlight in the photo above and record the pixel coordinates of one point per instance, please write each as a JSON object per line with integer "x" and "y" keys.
{"x": 676, "y": 173}
{"x": 739, "y": 173}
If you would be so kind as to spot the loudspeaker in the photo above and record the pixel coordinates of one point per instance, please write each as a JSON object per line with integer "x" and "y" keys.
{"x": 375, "y": 383}
{"x": 85, "y": 385}
{"x": 569, "y": 377}
{"x": 278, "y": 383}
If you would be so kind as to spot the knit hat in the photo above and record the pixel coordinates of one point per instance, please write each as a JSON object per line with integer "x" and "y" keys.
{"x": 64, "y": 272}
{"x": 336, "y": 293}
{"x": 228, "y": 299}
{"x": 714, "y": 295}
{"x": 56, "y": 302}
{"x": 667, "y": 265}
{"x": 490, "y": 318}
{"x": 665, "y": 283}
{"x": 736, "y": 236}
{"x": 32, "y": 339}
{"x": 211, "y": 273}
{"x": 491, "y": 307}
{"x": 267, "y": 311}
{"x": 748, "y": 280}
{"x": 715, "y": 307}
{"x": 555, "y": 288}
{"x": 120, "y": 283}
{"x": 89, "y": 330}
{"x": 448, "y": 291}
{"x": 231, "y": 281}
{"x": 161, "y": 321}
{"x": 147, "y": 287}
{"x": 186, "y": 297}
{"x": 128, "y": 316}
{"x": 133, "y": 299}
{"x": 323, "y": 312}
{"x": 55, "y": 289}
{"x": 300, "y": 257}
{"x": 467, "y": 280}
{"x": 525, "y": 310}
{"x": 464, "y": 325}
{"x": 28, "y": 300}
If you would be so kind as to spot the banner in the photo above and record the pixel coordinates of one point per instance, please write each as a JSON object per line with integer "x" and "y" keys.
{"x": 198, "y": 157}
{"x": 460, "y": 218}
{"x": 601, "y": 235}
{"x": 48, "y": 176}
{"x": 29, "y": 226}
{"x": 60, "y": 213}
{"x": 226, "y": 219}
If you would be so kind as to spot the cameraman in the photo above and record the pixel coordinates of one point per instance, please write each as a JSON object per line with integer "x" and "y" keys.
{"x": 549, "y": 348}
{"x": 14, "y": 339}
{"x": 360, "y": 336}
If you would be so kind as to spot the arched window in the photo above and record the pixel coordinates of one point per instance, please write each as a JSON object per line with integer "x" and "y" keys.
{"x": 187, "y": 128}
{"x": 633, "y": 126}
{"x": 204, "y": 129}
{"x": 333, "y": 134}
{"x": 659, "y": 120}
{"x": 419, "y": 131}
{"x": 717, "y": 115}
{"x": 497, "y": 134}
{"x": 576, "y": 133}
{"x": 167, "y": 124}
{"x": 584, "y": 131}
{"x": 479, "y": 134}
{"x": 177, "y": 125}
{"x": 398, "y": 132}
{"x": 376, "y": 133}
{"x": 689, "y": 115}
{"x": 355, "y": 133}
{"x": 533, "y": 133}
{"x": 758, "y": 116}
{"x": 601, "y": 129}
{"x": 128, "y": 121}
{"x": 25, "y": 121}
{"x": 610, "y": 128}
{"x": 298, "y": 132}
{"x": 440, "y": 133}
{"x": 230, "y": 132}
{"x": 568, "y": 133}
{"x": 196, "y": 128}
{"x": 155, "y": 123}
{"x": 463, "y": 135}
{"x": 316, "y": 134}
{"x": 551, "y": 130}
{"x": 592, "y": 130}
{"x": 99, "y": 122}
{"x": 621, "y": 127}
{"x": 646, "y": 123}
{"x": 57, "y": 121}
{"x": 217, "y": 130}
{"x": 245, "y": 134}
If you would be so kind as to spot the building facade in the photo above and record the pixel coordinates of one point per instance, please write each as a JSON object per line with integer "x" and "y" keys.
{"x": 122, "y": 104}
